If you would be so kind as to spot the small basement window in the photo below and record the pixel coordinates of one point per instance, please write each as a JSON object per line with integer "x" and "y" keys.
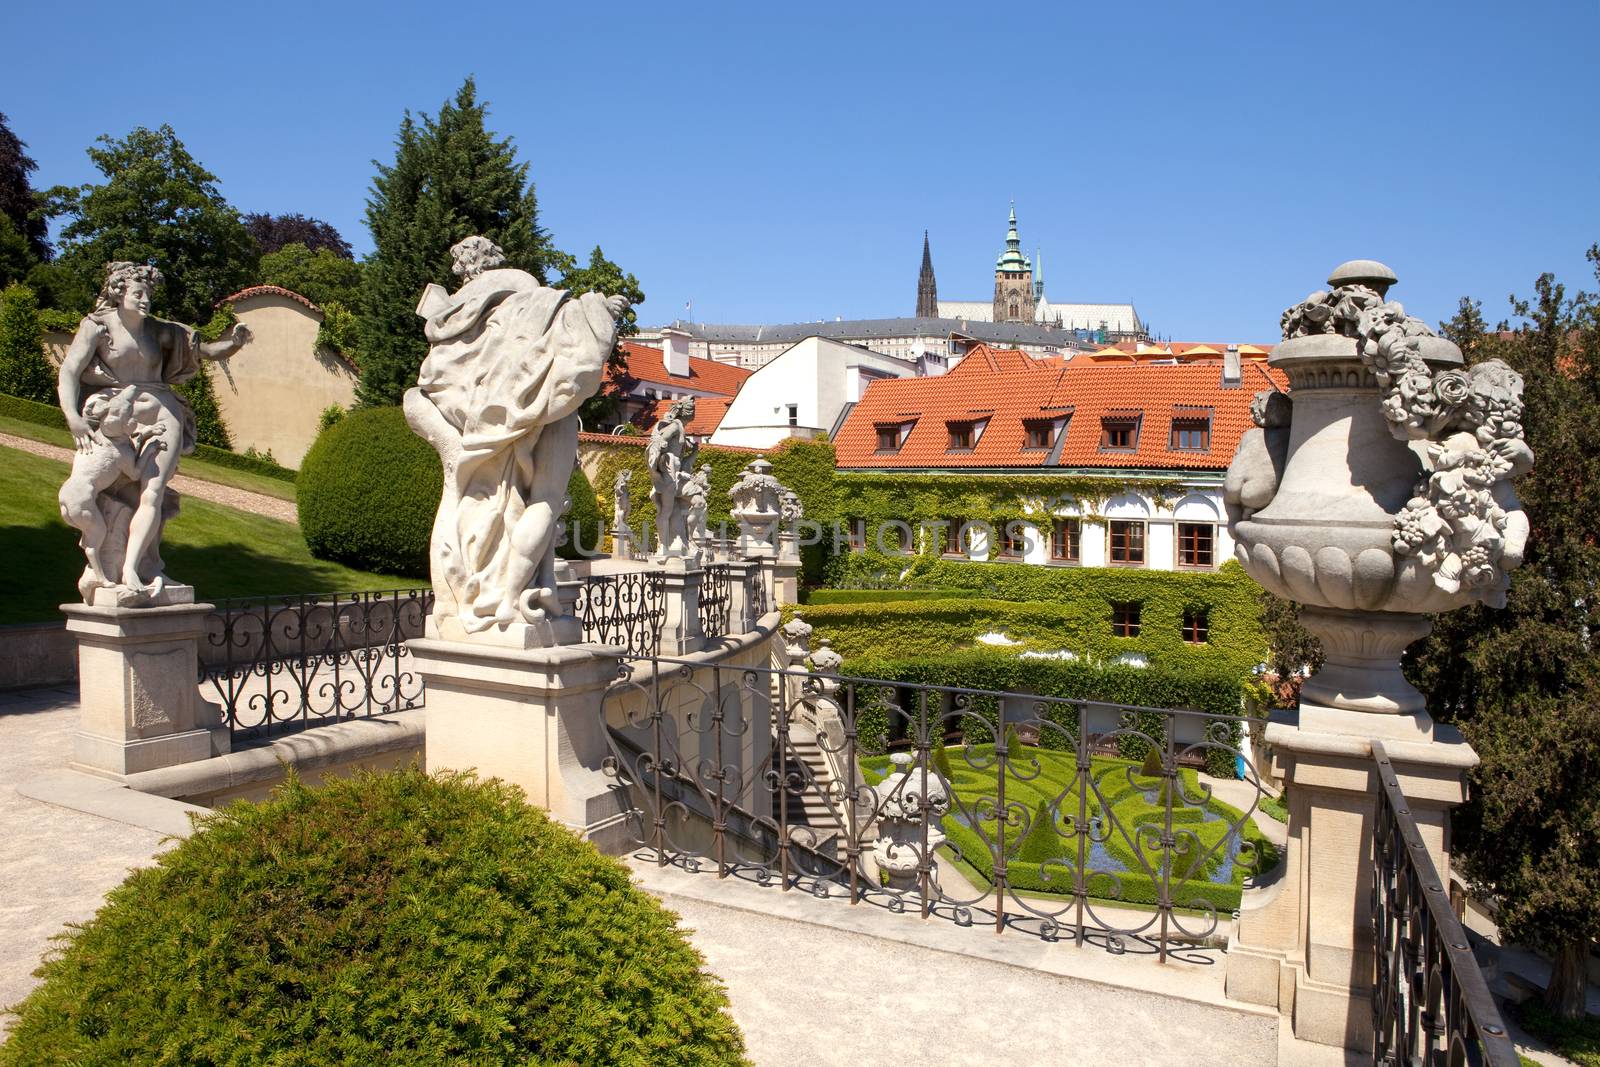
{"x": 1196, "y": 625}
{"x": 1125, "y": 618}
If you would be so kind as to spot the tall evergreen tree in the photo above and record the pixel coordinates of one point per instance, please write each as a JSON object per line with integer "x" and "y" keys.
{"x": 158, "y": 205}
{"x": 1523, "y": 682}
{"x": 451, "y": 178}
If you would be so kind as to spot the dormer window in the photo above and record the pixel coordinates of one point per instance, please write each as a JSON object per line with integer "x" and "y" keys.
{"x": 1191, "y": 434}
{"x": 964, "y": 434}
{"x": 1119, "y": 433}
{"x": 891, "y": 435}
{"x": 1038, "y": 433}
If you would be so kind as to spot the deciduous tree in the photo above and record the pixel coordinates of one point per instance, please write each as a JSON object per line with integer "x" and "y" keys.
{"x": 158, "y": 205}
{"x": 18, "y": 202}
{"x": 1523, "y": 682}
{"x": 273, "y": 232}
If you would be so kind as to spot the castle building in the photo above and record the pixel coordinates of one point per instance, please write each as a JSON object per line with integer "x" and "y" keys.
{"x": 1019, "y": 297}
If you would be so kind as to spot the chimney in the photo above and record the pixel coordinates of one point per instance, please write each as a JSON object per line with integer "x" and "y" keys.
{"x": 675, "y": 352}
{"x": 1232, "y": 373}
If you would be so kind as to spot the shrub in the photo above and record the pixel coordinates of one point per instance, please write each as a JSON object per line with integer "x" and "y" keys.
{"x": 582, "y": 518}
{"x": 25, "y": 370}
{"x": 369, "y": 488}
{"x": 386, "y": 918}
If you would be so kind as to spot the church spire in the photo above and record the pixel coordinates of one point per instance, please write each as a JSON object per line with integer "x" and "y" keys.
{"x": 927, "y": 291}
{"x": 1012, "y": 258}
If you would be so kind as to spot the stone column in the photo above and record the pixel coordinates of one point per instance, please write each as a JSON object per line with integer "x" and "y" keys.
{"x": 783, "y": 578}
{"x": 681, "y": 634}
{"x": 1303, "y": 943}
{"x": 138, "y": 684}
{"x": 741, "y": 612}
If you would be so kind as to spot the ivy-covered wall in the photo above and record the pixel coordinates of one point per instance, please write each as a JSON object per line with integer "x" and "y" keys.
{"x": 1053, "y": 608}
{"x": 804, "y": 466}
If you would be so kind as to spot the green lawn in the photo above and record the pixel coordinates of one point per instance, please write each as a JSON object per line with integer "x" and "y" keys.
{"x": 1043, "y": 863}
{"x": 219, "y": 551}
{"x": 198, "y": 468}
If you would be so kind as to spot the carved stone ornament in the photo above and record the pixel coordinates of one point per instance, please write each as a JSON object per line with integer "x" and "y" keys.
{"x": 670, "y": 458}
{"x": 757, "y": 498}
{"x": 510, "y": 362}
{"x": 130, "y": 426}
{"x": 1385, "y": 489}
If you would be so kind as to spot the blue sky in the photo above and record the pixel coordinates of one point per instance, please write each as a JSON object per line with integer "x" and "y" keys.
{"x": 779, "y": 162}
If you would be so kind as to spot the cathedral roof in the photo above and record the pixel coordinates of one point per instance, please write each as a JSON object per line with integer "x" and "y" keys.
{"x": 1012, "y": 258}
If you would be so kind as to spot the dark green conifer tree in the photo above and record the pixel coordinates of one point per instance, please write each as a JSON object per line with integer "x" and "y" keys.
{"x": 451, "y": 178}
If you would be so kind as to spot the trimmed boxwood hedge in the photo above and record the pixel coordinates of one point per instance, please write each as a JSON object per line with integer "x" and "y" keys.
{"x": 369, "y": 488}
{"x": 385, "y": 918}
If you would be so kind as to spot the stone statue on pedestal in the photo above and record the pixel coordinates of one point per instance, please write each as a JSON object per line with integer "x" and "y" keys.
{"x": 757, "y": 498}
{"x": 621, "y": 515}
{"x": 671, "y": 461}
{"x": 130, "y": 427}
{"x": 509, "y": 365}
{"x": 699, "y": 502}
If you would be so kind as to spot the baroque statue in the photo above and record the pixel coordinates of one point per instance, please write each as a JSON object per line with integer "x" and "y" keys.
{"x": 621, "y": 515}
{"x": 670, "y": 458}
{"x": 509, "y": 363}
{"x": 1382, "y": 492}
{"x": 699, "y": 501}
{"x": 130, "y": 427}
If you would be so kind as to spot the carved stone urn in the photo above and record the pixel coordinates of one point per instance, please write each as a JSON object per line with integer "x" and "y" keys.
{"x": 757, "y": 502}
{"x": 1376, "y": 492}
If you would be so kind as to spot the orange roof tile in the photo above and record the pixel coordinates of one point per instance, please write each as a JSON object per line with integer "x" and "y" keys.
{"x": 708, "y": 413}
{"x": 268, "y": 290}
{"x": 1007, "y": 387}
{"x": 705, "y": 375}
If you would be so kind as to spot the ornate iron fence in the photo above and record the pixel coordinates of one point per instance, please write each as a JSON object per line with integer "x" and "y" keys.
{"x": 624, "y": 609}
{"x": 972, "y": 805}
{"x": 277, "y": 664}
{"x": 716, "y": 599}
{"x": 1430, "y": 1004}
{"x": 756, "y": 592}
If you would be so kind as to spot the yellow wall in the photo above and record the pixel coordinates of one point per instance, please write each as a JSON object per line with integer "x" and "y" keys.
{"x": 273, "y": 390}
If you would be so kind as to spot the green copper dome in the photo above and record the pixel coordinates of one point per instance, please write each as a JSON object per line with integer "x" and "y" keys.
{"x": 1012, "y": 258}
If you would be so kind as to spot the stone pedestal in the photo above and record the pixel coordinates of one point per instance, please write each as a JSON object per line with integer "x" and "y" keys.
{"x": 784, "y": 576}
{"x": 138, "y": 682}
{"x": 681, "y": 633}
{"x": 1303, "y": 943}
{"x": 531, "y": 717}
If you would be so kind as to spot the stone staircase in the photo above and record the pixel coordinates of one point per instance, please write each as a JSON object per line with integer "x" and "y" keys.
{"x": 806, "y": 761}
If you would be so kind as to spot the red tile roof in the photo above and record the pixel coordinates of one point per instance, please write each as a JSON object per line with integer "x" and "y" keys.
{"x": 268, "y": 290}
{"x": 705, "y": 375}
{"x": 708, "y": 413}
{"x": 1183, "y": 351}
{"x": 1007, "y": 387}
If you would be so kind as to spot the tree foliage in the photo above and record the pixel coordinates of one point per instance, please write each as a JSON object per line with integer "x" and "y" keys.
{"x": 1523, "y": 682}
{"x": 157, "y": 205}
{"x": 19, "y": 205}
{"x": 327, "y": 279}
{"x": 25, "y": 370}
{"x": 450, "y": 178}
{"x": 604, "y": 276}
{"x": 272, "y": 232}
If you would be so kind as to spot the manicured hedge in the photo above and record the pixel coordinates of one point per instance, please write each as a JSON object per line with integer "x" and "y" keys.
{"x": 367, "y": 493}
{"x": 393, "y": 918}
{"x": 369, "y": 488}
{"x": 878, "y": 596}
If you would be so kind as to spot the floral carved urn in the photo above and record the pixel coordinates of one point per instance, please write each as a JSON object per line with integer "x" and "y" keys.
{"x": 757, "y": 506}
{"x": 1377, "y": 491}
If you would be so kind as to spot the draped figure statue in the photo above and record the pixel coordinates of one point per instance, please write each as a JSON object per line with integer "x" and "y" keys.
{"x": 510, "y": 362}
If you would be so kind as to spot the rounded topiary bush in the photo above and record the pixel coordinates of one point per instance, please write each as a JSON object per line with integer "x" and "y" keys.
{"x": 369, "y": 488}
{"x": 367, "y": 493}
{"x": 386, "y": 918}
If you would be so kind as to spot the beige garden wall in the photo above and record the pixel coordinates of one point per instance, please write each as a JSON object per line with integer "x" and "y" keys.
{"x": 273, "y": 392}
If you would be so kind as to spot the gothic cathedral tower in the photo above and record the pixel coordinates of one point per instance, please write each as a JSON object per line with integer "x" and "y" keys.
{"x": 1013, "y": 280}
{"x": 927, "y": 292}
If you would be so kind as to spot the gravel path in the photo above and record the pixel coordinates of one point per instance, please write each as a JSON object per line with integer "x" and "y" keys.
{"x": 226, "y": 495}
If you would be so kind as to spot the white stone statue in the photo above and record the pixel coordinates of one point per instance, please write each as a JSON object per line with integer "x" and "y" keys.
{"x": 698, "y": 502}
{"x": 509, "y": 365}
{"x": 757, "y": 498}
{"x": 671, "y": 460}
{"x": 130, "y": 427}
{"x": 621, "y": 515}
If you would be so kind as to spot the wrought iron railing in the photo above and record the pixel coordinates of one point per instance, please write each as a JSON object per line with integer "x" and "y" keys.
{"x": 1430, "y": 1003}
{"x": 624, "y": 609}
{"x": 277, "y": 664}
{"x": 716, "y": 599}
{"x": 1066, "y": 818}
{"x": 756, "y": 592}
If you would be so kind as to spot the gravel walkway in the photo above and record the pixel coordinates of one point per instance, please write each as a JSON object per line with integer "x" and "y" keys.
{"x": 226, "y": 495}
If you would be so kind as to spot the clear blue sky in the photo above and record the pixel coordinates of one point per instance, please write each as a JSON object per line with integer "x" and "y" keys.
{"x": 778, "y": 162}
